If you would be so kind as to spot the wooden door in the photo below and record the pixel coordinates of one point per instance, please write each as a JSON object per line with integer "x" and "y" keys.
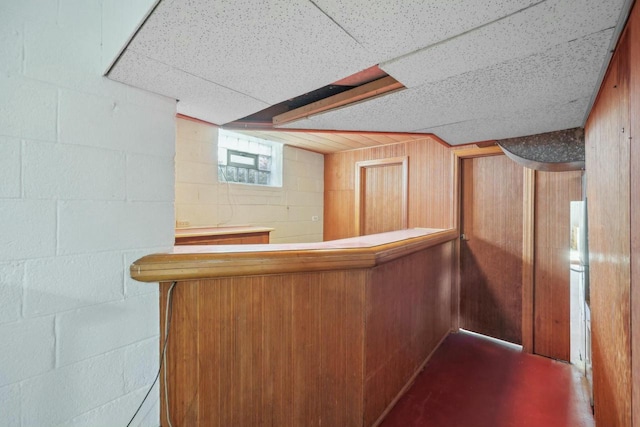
{"x": 491, "y": 247}
{"x": 554, "y": 192}
{"x": 382, "y": 197}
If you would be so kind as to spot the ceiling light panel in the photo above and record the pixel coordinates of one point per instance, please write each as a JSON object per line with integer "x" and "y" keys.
{"x": 392, "y": 28}
{"x": 559, "y": 75}
{"x": 198, "y": 97}
{"x": 530, "y": 31}
{"x": 268, "y": 50}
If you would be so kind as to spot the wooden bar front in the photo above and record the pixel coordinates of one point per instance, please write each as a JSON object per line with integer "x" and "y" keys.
{"x": 331, "y": 337}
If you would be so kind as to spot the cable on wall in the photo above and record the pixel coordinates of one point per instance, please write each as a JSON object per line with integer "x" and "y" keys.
{"x": 163, "y": 358}
{"x": 229, "y": 201}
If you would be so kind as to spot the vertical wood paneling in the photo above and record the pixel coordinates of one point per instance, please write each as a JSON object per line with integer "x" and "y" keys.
{"x": 608, "y": 197}
{"x": 430, "y": 185}
{"x": 491, "y": 258}
{"x": 278, "y": 350}
{"x": 307, "y": 366}
{"x": 382, "y": 188}
{"x": 209, "y": 312}
{"x": 553, "y": 193}
{"x": 277, "y": 388}
{"x": 634, "y": 107}
{"x": 329, "y": 348}
{"x": 182, "y": 345}
{"x": 338, "y": 203}
{"x": 404, "y": 327}
{"x": 528, "y": 258}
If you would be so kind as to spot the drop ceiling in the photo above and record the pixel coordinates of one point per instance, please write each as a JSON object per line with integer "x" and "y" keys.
{"x": 473, "y": 71}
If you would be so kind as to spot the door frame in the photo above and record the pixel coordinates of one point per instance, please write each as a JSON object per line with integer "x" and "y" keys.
{"x": 361, "y": 169}
{"x": 528, "y": 220}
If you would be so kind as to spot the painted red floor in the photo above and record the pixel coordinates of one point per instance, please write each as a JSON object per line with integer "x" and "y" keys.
{"x": 473, "y": 382}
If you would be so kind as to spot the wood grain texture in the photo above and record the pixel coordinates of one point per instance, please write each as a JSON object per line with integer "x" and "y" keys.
{"x": 331, "y": 141}
{"x": 381, "y": 197}
{"x": 281, "y": 350}
{"x": 608, "y": 196}
{"x": 553, "y": 193}
{"x": 369, "y": 90}
{"x": 225, "y": 261}
{"x": 430, "y": 182}
{"x": 407, "y": 315}
{"x": 634, "y": 108}
{"x": 225, "y": 239}
{"x": 491, "y": 258}
{"x": 528, "y": 259}
{"x": 182, "y": 345}
{"x": 431, "y": 185}
{"x": 306, "y": 349}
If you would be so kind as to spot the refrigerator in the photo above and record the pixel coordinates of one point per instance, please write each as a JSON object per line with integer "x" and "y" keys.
{"x": 579, "y": 283}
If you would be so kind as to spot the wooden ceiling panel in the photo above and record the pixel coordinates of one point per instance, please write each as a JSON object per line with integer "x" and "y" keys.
{"x": 331, "y": 142}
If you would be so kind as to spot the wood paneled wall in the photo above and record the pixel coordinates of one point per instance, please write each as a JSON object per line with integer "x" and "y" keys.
{"x": 634, "y": 108}
{"x": 280, "y": 350}
{"x": 612, "y": 138}
{"x": 407, "y": 315}
{"x": 331, "y": 348}
{"x": 430, "y": 186}
{"x": 552, "y": 324}
{"x": 383, "y": 201}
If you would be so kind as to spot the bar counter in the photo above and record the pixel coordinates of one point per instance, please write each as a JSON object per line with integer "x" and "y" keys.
{"x": 192, "y": 262}
{"x": 311, "y": 334}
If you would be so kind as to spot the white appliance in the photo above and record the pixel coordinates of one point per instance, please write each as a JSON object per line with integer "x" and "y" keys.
{"x": 579, "y": 283}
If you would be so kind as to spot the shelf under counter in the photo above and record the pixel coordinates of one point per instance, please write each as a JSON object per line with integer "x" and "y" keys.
{"x": 233, "y": 235}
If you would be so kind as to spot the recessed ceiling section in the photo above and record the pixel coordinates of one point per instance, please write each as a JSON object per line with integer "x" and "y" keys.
{"x": 470, "y": 70}
{"x": 362, "y": 93}
{"x": 560, "y": 75}
{"x": 331, "y": 142}
{"x": 268, "y": 50}
{"x": 358, "y": 87}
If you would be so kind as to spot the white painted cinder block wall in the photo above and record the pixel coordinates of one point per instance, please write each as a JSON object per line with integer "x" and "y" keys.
{"x": 86, "y": 187}
{"x": 203, "y": 201}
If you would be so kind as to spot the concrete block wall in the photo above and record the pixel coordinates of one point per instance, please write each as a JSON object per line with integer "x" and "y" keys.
{"x": 202, "y": 200}
{"x": 86, "y": 187}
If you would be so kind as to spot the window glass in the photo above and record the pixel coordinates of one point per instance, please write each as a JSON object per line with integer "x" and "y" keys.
{"x": 248, "y": 160}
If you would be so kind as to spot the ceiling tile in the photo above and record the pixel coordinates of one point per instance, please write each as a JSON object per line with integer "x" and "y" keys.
{"x": 525, "y": 122}
{"x": 559, "y": 75}
{"x": 197, "y": 97}
{"x": 269, "y": 50}
{"x": 392, "y": 28}
{"x": 533, "y": 30}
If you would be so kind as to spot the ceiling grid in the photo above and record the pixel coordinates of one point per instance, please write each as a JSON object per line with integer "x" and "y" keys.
{"x": 472, "y": 70}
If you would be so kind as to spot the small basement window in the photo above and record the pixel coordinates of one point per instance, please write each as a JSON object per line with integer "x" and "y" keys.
{"x": 245, "y": 159}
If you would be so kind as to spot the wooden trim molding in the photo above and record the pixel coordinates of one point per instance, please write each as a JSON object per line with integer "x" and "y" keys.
{"x": 466, "y": 153}
{"x": 357, "y": 94}
{"x": 227, "y": 261}
{"x": 361, "y": 168}
{"x": 528, "y": 257}
{"x": 457, "y": 154}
